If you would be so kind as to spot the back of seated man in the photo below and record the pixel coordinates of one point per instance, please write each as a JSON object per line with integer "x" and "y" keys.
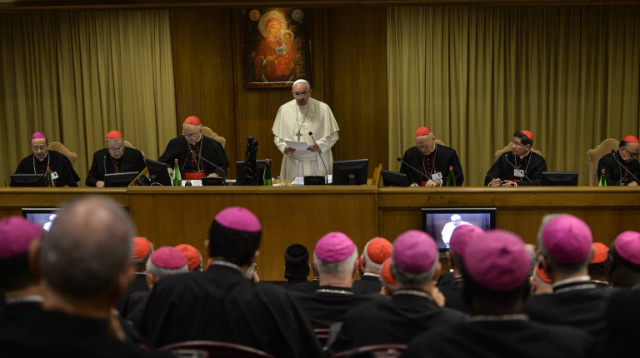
{"x": 375, "y": 252}
{"x": 334, "y": 259}
{"x": 80, "y": 284}
{"x": 496, "y": 269}
{"x": 564, "y": 242}
{"x": 296, "y": 265}
{"x": 412, "y": 309}
{"x": 222, "y": 304}
{"x": 599, "y": 265}
{"x": 192, "y": 255}
{"x": 142, "y": 250}
{"x": 165, "y": 261}
{"x": 625, "y": 260}
{"x": 460, "y": 238}
{"x": 19, "y": 285}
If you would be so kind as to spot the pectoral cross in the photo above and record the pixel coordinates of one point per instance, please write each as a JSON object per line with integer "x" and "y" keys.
{"x": 299, "y": 135}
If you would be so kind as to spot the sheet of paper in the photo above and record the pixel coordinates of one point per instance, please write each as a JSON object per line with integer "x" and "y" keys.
{"x": 297, "y": 145}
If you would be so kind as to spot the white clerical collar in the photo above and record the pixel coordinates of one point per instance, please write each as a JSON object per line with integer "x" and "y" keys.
{"x": 45, "y": 157}
{"x": 567, "y": 281}
{"x": 24, "y": 299}
{"x": 499, "y": 317}
{"x": 370, "y": 274}
{"x": 226, "y": 263}
{"x": 524, "y": 156}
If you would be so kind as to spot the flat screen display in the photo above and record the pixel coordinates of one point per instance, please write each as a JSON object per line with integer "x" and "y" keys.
{"x": 439, "y": 223}
{"x": 41, "y": 216}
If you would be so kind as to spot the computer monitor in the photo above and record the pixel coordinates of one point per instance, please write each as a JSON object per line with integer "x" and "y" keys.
{"x": 27, "y": 179}
{"x": 439, "y": 223}
{"x": 560, "y": 178}
{"x": 350, "y": 172}
{"x": 240, "y": 170}
{"x": 158, "y": 172}
{"x": 41, "y": 216}
{"x": 390, "y": 178}
{"x": 119, "y": 179}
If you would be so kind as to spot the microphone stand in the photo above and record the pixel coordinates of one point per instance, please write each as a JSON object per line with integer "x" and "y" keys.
{"x": 208, "y": 161}
{"x": 326, "y": 172}
{"x": 414, "y": 169}
{"x": 623, "y": 167}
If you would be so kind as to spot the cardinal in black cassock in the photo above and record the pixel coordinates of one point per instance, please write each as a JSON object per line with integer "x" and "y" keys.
{"x": 198, "y": 155}
{"x": 115, "y": 158}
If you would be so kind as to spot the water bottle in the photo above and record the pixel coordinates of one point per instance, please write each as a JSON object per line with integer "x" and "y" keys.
{"x": 603, "y": 179}
{"x": 267, "y": 178}
{"x": 451, "y": 179}
{"x": 177, "y": 177}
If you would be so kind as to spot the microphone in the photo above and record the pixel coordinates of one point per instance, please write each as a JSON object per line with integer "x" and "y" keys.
{"x": 104, "y": 164}
{"x": 506, "y": 157}
{"x": 326, "y": 172}
{"x": 208, "y": 161}
{"x": 416, "y": 170}
{"x": 623, "y": 167}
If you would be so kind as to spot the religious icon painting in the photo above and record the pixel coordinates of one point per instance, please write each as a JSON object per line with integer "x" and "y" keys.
{"x": 276, "y": 47}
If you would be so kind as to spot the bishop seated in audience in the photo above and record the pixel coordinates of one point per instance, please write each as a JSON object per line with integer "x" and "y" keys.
{"x": 375, "y": 252}
{"x": 335, "y": 260}
{"x": 222, "y": 304}
{"x": 412, "y": 309}
{"x": 496, "y": 269}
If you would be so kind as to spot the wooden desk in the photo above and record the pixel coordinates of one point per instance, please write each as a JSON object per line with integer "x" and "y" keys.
{"x": 169, "y": 216}
{"x": 12, "y": 200}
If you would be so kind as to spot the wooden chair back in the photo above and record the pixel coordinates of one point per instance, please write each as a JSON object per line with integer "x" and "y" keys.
{"x": 60, "y": 148}
{"x": 594, "y": 155}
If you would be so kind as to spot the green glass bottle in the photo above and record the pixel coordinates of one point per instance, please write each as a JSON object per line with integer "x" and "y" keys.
{"x": 267, "y": 178}
{"x": 48, "y": 181}
{"x": 603, "y": 179}
{"x": 451, "y": 179}
{"x": 177, "y": 177}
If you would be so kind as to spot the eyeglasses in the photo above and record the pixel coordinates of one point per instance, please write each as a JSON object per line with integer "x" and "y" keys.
{"x": 40, "y": 148}
{"x": 632, "y": 154}
{"x": 299, "y": 95}
{"x": 190, "y": 135}
{"x": 114, "y": 149}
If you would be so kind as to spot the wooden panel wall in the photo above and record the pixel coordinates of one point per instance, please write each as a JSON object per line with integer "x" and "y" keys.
{"x": 349, "y": 74}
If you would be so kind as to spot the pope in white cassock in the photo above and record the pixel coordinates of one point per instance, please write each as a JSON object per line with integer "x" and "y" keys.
{"x": 294, "y": 121}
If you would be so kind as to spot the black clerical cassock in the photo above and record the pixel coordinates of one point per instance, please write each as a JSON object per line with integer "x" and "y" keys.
{"x": 59, "y": 164}
{"x": 505, "y": 167}
{"x": 190, "y": 157}
{"x": 130, "y": 161}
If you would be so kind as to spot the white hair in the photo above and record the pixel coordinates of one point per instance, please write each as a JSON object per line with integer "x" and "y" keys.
{"x": 455, "y": 217}
{"x": 372, "y": 267}
{"x": 336, "y": 268}
{"x": 160, "y": 272}
{"x": 301, "y": 81}
{"x": 409, "y": 279}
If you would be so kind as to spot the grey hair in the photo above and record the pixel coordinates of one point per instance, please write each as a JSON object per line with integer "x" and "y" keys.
{"x": 409, "y": 279}
{"x": 161, "y": 273}
{"x": 369, "y": 264}
{"x": 336, "y": 268}
{"x": 88, "y": 247}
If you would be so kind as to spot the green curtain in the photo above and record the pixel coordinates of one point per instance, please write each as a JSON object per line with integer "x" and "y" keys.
{"x": 476, "y": 74}
{"x": 78, "y": 75}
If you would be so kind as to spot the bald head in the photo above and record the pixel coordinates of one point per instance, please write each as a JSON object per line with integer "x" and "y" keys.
{"x": 87, "y": 249}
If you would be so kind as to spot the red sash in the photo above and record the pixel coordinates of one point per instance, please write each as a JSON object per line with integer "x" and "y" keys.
{"x": 193, "y": 176}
